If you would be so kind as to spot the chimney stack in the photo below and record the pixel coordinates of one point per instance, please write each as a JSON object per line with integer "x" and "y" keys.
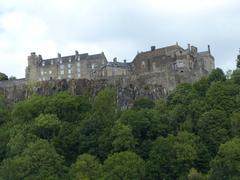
{"x": 153, "y": 48}
{"x": 115, "y": 59}
{"x": 76, "y": 52}
{"x": 59, "y": 55}
{"x": 125, "y": 61}
{"x": 189, "y": 47}
{"x": 209, "y": 49}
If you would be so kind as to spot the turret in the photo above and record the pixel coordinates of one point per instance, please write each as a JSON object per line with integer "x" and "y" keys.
{"x": 32, "y": 68}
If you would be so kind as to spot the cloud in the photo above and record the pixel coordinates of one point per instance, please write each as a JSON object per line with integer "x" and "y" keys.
{"x": 119, "y": 28}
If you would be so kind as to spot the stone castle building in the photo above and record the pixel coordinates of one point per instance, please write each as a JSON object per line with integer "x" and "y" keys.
{"x": 165, "y": 66}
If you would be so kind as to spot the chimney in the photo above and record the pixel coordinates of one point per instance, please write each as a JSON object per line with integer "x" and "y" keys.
{"x": 125, "y": 61}
{"x": 209, "y": 49}
{"x": 40, "y": 57}
{"x": 76, "y": 52}
{"x": 189, "y": 47}
{"x": 115, "y": 59}
{"x": 153, "y": 48}
{"x": 33, "y": 54}
{"x": 59, "y": 55}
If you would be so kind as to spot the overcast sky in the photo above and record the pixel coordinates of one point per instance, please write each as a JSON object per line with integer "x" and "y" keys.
{"x": 119, "y": 28}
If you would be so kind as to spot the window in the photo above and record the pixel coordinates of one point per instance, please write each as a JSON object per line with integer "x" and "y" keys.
{"x": 43, "y": 79}
{"x": 93, "y": 66}
{"x": 59, "y": 77}
{"x": 62, "y": 72}
{"x": 42, "y": 72}
{"x": 61, "y": 66}
{"x": 50, "y": 72}
{"x": 69, "y": 65}
{"x": 51, "y": 62}
{"x": 69, "y": 60}
{"x": 69, "y": 76}
{"x": 79, "y": 75}
{"x": 69, "y": 71}
{"x": 78, "y": 64}
{"x": 78, "y": 58}
{"x": 61, "y": 61}
{"x": 43, "y": 63}
{"x": 78, "y": 70}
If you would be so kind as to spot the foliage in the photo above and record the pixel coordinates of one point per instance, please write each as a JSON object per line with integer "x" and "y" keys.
{"x": 87, "y": 167}
{"x": 124, "y": 165}
{"x": 143, "y": 103}
{"x": 190, "y": 134}
{"x": 227, "y": 162}
{"x": 3, "y": 77}
{"x": 38, "y": 161}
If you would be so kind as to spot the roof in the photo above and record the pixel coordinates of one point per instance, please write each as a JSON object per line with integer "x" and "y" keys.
{"x": 158, "y": 52}
{"x": 65, "y": 59}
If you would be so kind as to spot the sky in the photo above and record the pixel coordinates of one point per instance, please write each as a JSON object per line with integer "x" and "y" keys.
{"x": 119, "y": 28}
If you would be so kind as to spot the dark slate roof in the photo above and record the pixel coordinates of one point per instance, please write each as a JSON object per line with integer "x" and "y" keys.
{"x": 118, "y": 64}
{"x": 65, "y": 59}
{"x": 158, "y": 52}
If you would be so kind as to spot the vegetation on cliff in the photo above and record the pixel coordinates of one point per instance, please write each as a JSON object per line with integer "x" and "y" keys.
{"x": 192, "y": 134}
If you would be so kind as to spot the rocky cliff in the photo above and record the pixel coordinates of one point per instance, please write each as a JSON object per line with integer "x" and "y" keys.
{"x": 128, "y": 89}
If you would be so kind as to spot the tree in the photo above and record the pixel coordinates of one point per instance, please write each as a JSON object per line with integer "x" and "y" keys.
{"x": 47, "y": 126}
{"x": 195, "y": 175}
{"x": 214, "y": 129}
{"x": 238, "y": 61}
{"x": 124, "y": 165}
{"x": 3, "y": 77}
{"x": 143, "y": 103}
{"x": 236, "y": 76}
{"x": 3, "y": 110}
{"x": 123, "y": 139}
{"x": 222, "y": 96}
{"x": 235, "y": 125}
{"x": 227, "y": 162}
{"x": 87, "y": 167}
{"x": 172, "y": 157}
{"x": 12, "y": 78}
{"x": 38, "y": 161}
{"x": 216, "y": 75}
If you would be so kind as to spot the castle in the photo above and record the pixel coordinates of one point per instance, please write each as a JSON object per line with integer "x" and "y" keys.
{"x": 167, "y": 66}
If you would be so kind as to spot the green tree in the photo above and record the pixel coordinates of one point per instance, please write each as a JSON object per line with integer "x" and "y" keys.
{"x": 124, "y": 165}
{"x": 172, "y": 157}
{"x": 216, "y": 75}
{"x": 195, "y": 175}
{"x": 87, "y": 167}
{"x": 3, "y": 110}
{"x": 238, "y": 61}
{"x": 235, "y": 125}
{"x": 143, "y": 103}
{"x": 236, "y": 76}
{"x": 47, "y": 126}
{"x": 222, "y": 96}
{"x": 123, "y": 139}
{"x": 226, "y": 165}
{"x": 38, "y": 161}
{"x": 214, "y": 129}
{"x": 3, "y": 77}
{"x": 105, "y": 103}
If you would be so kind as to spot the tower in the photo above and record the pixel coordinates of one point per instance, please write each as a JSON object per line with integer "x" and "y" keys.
{"x": 32, "y": 69}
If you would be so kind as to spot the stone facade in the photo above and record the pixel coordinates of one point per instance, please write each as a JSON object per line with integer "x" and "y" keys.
{"x": 166, "y": 66}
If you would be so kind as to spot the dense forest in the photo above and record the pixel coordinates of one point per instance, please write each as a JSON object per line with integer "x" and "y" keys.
{"x": 193, "y": 133}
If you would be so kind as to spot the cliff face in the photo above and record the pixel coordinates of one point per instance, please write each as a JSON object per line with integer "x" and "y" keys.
{"x": 127, "y": 89}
